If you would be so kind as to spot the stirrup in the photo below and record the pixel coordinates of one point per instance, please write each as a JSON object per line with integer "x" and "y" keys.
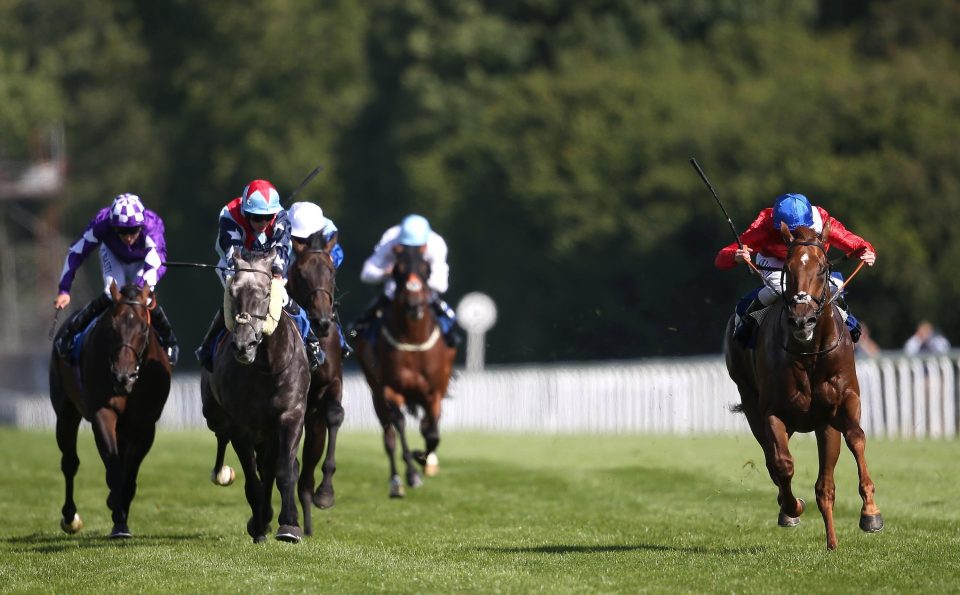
{"x": 173, "y": 354}
{"x": 316, "y": 357}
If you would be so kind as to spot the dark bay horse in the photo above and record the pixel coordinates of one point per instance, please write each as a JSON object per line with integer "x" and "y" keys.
{"x": 408, "y": 366}
{"x": 801, "y": 377}
{"x": 256, "y": 396}
{"x": 120, "y": 387}
{"x": 312, "y": 284}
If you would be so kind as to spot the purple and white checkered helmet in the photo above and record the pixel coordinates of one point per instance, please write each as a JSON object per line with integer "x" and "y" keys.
{"x": 127, "y": 211}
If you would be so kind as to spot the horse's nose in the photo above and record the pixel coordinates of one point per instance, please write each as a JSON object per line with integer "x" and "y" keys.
{"x": 323, "y": 327}
{"x": 123, "y": 383}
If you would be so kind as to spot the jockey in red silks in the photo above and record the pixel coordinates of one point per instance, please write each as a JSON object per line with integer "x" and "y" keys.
{"x": 763, "y": 243}
{"x": 255, "y": 221}
{"x": 132, "y": 250}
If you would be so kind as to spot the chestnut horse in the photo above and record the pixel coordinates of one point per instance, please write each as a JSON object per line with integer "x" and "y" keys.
{"x": 408, "y": 366}
{"x": 312, "y": 284}
{"x": 801, "y": 377}
{"x": 120, "y": 387}
{"x": 256, "y": 396}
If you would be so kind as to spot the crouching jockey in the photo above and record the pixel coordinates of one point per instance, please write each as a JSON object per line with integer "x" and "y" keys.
{"x": 306, "y": 219}
{"x": 414, "y": 230}
{"x": 256, "y": 221}
{"x": 132, "y": 248}
{"x": 763, "y": 238}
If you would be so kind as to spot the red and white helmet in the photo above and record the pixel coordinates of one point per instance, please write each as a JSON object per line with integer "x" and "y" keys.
{"x": 260, "y": 198}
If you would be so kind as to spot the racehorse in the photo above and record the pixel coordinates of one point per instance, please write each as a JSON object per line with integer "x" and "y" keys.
{"x": 801, "y": 377}
{"x": 408, "y": 366}
{"x": 312, "y": 283}
{"x": 120, "y": 386}
{"x": 256, "y": 396}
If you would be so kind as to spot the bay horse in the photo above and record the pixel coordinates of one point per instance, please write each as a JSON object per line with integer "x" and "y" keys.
{"x": 256, "y": 396}
{"x": 408, "y": 366}
{"x": 120, "y": 386}
{"x": 801, "y": 377}
{"x": 312, "y": 284}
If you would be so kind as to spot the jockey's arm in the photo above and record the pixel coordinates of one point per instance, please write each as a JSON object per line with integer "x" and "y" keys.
{"x": 77, "y": 253}
{"x": 436, "y": 255}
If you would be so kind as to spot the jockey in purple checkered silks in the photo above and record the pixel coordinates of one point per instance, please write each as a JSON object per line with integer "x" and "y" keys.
{"x": 132, "y": 250}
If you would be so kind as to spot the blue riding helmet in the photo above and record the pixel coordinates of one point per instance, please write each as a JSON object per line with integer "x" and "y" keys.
{"x": 794, "y": 210}
{"x": 260, "y": 198}
{"x": 414, "y": 231}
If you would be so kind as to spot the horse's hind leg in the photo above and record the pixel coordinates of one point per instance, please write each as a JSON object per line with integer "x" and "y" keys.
{"x": 324, "y": 497}
{"x": 430, "y": 429}
{"x": 314, "y": 434}
{"x": 252, "y": 489}
{"x": 68, "y": 422}
{"x": 399, "y": 422}
{"x": 871, "y": 520}
{"x": 782, "y": 463}
{"x": 828, "y": 447}
{"x": 284, "y": 468}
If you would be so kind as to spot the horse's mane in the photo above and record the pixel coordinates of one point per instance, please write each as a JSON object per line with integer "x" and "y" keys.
{"x": 805, "y": 234}
{"x": 130, "y": 292}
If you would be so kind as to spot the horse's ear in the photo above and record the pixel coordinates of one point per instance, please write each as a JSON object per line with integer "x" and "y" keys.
{"x": 825, "y": 234}
{"x": 299, "y": 246}
{"x": 331, "y": 242}
{"x": 422, "y": 249}
{"x": 397, "y": 249}
{"x": 785, "y": 232}
{"x": 114, "y": 291}
{"x": 145, "y": 293}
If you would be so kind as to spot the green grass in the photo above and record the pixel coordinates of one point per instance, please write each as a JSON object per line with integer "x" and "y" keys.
{"x": 559, "y": 514}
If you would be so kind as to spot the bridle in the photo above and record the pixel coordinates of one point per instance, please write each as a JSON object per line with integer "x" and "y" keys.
{"x": 802, "y": 297}
{"x": 246, "y": 318}
{"x": 329, "y": 266}
{"x": 138, "y": 353}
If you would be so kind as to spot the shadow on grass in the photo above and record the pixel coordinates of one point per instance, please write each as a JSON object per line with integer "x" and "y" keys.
{"x": 602, "y": 549}
{"x": 51, "y": 544}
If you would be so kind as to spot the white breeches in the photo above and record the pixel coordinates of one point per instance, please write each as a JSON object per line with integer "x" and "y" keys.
{"x": 113, "y": 269}
{"x": 771, "y": 289}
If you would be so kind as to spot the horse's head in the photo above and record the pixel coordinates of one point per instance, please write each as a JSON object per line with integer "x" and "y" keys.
{"x": 806, "y": 278}
{"x": 130, "y": 325}
{"x": 249, "y": 293}
{"x": 313, "y": 279}
{"x": 411, "y": 272}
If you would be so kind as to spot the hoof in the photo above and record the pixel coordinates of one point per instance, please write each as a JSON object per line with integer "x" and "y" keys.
{"x": 120, "y": 531}
{"x": 414, "y": 480}
{"x": 73, "y": 526}
{"x": 260, "y": 539}
{"x": 258, "y": 536}
{"x": 432, "y": 466}
{"x": 785, "y": 520}
{"x": 396, "y": 487}
{"x": 289, "y": 534}
{"x": 323, "y": 499}
{"x": 224, "y": 476}
{"x": 871, "y": 524}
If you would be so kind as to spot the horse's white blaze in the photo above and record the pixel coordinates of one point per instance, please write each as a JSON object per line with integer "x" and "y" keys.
{"x": 804, "y": 258}
{"x": 414, "y": 285}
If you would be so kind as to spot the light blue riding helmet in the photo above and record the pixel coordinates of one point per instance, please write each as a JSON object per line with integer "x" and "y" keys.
{"x": 260, "y": 198}
{"x": 414, "y": 230}
{"x": 792, "y": 209}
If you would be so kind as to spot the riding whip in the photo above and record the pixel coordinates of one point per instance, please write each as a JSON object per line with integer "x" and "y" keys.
{"x": 53, "y": 325}
{"x": 305, "y": 181}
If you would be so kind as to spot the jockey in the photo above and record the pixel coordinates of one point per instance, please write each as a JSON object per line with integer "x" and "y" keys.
{"x": 256, "y": 221}
{"x": 132, "y": 250}
{"x": 414, "y": 230}
{"x": 306, "y": 219}
{"x": 763, "y": 237}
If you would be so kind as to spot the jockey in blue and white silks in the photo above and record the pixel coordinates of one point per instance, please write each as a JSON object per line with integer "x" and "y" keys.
{"x": 414, "y": 230}
{"x": 306, "y": 219}
{"x": 132, "y": 250}
{"x": 256, "y": 221}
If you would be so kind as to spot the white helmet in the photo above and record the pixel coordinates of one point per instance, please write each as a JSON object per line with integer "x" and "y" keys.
{"x": 306, "y": 219}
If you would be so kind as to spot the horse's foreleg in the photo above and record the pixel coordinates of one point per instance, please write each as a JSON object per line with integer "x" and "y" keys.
{"x": 430, "y": 429}
{"x": 828, "y": 448}
{"x": 871, "y": 520}
{"x": 286, "y": 469}
{"x": 136, "y": 447}
{"x": 256, "y": 526}
{"x": 105, "y": 433}
{"x": 399, "y": 422}
{"x": 222, "y": 475}
{"x": 313, "y": 437}
{"x": 384, "y": 414}
{"x": 68, "y": 423}
{"x": 782, "y": 463}
{"x": 324, "y": 498}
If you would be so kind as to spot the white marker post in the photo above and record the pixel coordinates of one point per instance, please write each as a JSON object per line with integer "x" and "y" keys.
{"x": 477, "y": 314}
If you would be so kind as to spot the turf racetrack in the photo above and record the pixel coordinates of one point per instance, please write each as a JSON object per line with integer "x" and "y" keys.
{"x": 506, "y": 514}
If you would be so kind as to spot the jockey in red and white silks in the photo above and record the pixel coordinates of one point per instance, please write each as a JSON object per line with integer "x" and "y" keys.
{"x": 763, "y": 239}
{"x": 254, "y": 221}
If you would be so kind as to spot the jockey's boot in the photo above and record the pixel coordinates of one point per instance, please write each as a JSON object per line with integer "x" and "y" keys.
{"x": 204, "y": 353}
{"x": 160, "y": 322}
{"x": 345, "y": 349}
{"x": 373, "y": 313}
{"x": 747, "y": 324}
{"x": 853, "y": 325}
{"x": 446, "y": 317}
{"x": 315, "y": 354}
{"x": 79, "y": 322}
